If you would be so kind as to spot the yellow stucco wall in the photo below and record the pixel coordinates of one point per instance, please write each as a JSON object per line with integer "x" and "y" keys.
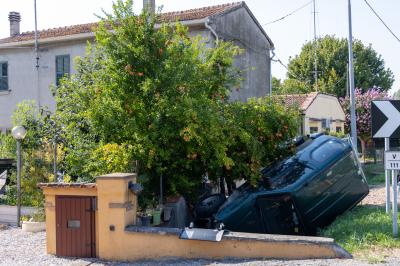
{"x": 137, "y": 246}
{"x": 116, "y": 211}
{"x": 113, "y": 189}
{"x": 50, "y": 209}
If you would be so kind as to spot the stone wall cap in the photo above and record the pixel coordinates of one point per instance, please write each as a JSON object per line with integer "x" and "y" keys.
{"x": 153, "y": 230}
{"x": 116, "y": 176}
{"x": 67, "y": 185}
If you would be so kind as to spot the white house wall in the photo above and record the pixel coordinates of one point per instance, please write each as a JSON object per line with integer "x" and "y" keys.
{"x": 324, "y": 107}
{"x": 23, "y": 79}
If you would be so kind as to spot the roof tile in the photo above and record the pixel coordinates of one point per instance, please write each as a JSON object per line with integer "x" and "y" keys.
{"x": 191, "y": 14}
{"x": 67, "y": 185}
{"x": 302, "y": 101}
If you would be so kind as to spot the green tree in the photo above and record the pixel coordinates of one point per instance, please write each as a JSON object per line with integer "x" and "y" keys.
{"x": 37, "y": 153}
{"x": 363, "y": 113}
{"x": 292, "y": 86}
{"x": 332, "y": 54}
{"x": 159, "y": 97}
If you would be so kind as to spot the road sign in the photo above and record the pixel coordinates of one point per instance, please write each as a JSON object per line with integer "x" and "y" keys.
{"x": 392, "y": 160}
{"x": 385, "y": 117}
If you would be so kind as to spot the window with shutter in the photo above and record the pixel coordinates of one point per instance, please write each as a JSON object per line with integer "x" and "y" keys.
{"x": 3, "y": 76}
{"x": 62, "y": 67}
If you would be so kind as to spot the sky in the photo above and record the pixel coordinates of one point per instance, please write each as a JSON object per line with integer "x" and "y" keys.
{"x": 288, "y": 34}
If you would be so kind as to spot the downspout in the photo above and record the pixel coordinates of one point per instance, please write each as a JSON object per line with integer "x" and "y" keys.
{"x": 208, "y": 26}
{"x": 271, "y": 51}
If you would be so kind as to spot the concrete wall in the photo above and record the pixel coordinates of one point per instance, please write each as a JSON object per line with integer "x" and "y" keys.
{"x": 24, "y": 80}
{"x": 239, "y": 26}
{"x": 119, "y": 239}
{"x": 324, "y": 107}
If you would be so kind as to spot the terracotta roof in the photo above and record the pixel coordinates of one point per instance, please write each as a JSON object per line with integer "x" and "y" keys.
{"x": 191, "y": 14}
{"x": 67, "y": 185}
{"x": 302, "y": 101}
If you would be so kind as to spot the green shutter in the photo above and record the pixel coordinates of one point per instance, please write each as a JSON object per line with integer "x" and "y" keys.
{"x": 3, "y": 76}
{"x": 62, "y": 67}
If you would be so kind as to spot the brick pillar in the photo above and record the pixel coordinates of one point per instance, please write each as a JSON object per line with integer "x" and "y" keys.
{"x": 117, "y": 207}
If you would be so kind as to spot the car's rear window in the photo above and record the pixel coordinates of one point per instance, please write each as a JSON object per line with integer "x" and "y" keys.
{"x": 327, "y": 151}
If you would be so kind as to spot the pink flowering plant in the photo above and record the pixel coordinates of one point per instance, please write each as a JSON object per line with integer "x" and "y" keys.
{"x": 363, "y": 112}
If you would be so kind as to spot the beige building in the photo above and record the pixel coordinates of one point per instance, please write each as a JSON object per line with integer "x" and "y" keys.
{"x": 320, "y": 112}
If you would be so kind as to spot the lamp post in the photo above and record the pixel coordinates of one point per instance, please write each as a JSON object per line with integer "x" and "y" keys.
{"x": 19, "y": 133}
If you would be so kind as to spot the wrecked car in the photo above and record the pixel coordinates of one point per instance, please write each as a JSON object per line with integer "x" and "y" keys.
{"x": 295, "y": 196}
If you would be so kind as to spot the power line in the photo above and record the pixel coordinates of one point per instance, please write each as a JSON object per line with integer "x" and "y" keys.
{"x": 291, "y": 13}
{"x": 383, "y": 22}
{"x": 285, "y": 66}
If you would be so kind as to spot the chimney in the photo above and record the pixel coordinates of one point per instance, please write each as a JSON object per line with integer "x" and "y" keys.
{"x": 15, "y": 19}
{"x": 149, "y": 5}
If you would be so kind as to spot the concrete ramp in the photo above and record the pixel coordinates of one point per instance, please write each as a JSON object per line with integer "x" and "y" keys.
{"x": 152, "y": 243}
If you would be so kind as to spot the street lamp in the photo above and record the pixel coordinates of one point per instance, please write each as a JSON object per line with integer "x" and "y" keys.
{"x": 19, "y": 133}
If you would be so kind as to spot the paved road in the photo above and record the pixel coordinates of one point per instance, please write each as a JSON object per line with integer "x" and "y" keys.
{"x": 8, "y": 214}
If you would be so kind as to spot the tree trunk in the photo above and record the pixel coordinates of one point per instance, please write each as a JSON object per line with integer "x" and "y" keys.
{"x": 363, "y": 146}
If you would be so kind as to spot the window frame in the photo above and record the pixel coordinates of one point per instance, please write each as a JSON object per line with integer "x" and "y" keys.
{"x": 63, "y": 73}
{"x": 6, "y": 76}
{"x": 313, "y": 130}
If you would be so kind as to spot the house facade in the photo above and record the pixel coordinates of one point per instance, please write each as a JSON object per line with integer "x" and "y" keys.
{"x": 27, "y": 73}
{"x": 320, "y": 112}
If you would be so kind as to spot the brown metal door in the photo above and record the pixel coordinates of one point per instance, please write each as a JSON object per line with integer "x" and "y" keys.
{"x": 75, "y": 222}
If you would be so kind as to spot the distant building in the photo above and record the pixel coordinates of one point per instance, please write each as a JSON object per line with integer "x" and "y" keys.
{"x": 320, "y": 112}
{"x": 21, "y": 80}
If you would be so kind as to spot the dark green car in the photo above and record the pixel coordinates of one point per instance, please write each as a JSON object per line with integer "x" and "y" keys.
{"x": 299, "y": 195}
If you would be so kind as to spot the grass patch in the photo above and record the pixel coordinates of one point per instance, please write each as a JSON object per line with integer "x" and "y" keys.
{"x": 365, "y": 227}
{"x": 374, "y": 173}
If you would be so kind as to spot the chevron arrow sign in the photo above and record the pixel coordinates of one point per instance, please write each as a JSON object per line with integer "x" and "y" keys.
{"x": 385, "y": 116}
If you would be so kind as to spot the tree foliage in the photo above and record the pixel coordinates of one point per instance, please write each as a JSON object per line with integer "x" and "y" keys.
{"x": 159, "y": 97}
{"x": 37, "y": 153}
{"x": 332, "y": 56}
{"x": 363, "y": 112}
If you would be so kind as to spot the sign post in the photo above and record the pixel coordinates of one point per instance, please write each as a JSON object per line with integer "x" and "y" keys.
{"x": 387, "y": 177}
{"x": 394, "y": 207}
{"x": 385, "y": 117}
{"x": 392, "y": 163}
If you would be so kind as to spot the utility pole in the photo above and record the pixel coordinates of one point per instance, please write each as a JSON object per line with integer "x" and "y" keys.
{"x": 315, "y": 50}
{"x": 37, "y": 55}
{"x": 351, "y": 84}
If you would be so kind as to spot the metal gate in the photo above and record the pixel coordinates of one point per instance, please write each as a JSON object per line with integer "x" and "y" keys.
{"x": 75, "y": 221}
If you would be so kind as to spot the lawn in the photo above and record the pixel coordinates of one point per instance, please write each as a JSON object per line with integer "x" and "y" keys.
{"x": 375, "y": 173}
{"x": 365, "y": 231}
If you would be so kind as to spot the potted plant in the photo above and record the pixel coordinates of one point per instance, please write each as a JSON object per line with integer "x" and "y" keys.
{"x": 35, "y": 223}
{"x": 157, "y": 216}
{"x": 145, "y": 218}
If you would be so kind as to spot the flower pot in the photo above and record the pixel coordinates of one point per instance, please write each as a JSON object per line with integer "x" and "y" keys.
{"x": 146, "y": 220}
{"x": 33, "y": 227}
{"x": 156, "y": 217}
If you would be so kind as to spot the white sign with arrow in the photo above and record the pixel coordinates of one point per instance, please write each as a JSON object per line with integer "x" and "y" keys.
{"x": 385, "y": 119}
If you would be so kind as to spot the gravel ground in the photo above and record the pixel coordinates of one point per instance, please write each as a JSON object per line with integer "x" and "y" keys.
{"x": 20, "y": 248}
{"x": 376, "y": 196}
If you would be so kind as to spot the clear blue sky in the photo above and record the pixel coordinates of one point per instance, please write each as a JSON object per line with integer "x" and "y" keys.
{"x": 288, "y": 35}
